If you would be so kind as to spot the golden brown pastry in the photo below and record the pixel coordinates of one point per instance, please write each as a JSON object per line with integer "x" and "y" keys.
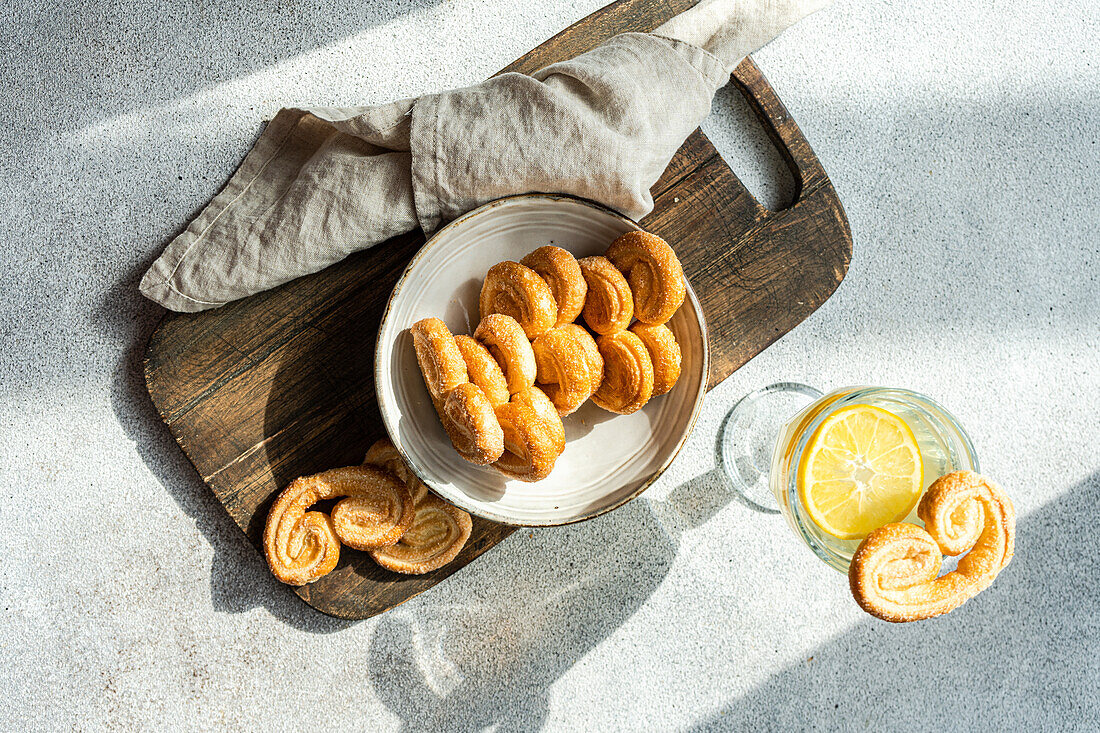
{"x": 376, "y": 516}
{"x": 518, "y": 291}
{"x": 654, "y": 272}
{"x": 440, "y": 360}
{"x": 437, "y": 535}
{"x": 609, "y": 305}
{"x": 893, "y": 574}
{"x": 627, "y": 373}
{"x": 537, "y": 400}
{"x": 471, "y": 424}
{"x": 570, "y": 367}
{"x": 483, "y": 369}
{"x": 562, "y": 273}
{"x": 530, "y": 447}
{"x": 384, "y": 454}
{"x": 301, "y": 546}
{"x": 664, "y": 352}
{"x": 506, "y": 341}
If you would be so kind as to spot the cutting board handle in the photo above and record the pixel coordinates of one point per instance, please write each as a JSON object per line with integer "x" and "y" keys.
{"x": 781, "y": 128}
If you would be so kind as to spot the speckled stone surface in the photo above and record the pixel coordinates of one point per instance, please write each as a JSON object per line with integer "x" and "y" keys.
{"x": 963, "y": 139}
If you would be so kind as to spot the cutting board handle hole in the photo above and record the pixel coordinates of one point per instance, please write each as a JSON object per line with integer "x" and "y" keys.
{"x": 746, "y": 147}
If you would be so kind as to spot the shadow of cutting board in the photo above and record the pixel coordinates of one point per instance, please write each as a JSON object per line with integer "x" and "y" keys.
{"x": 280, "y": 385}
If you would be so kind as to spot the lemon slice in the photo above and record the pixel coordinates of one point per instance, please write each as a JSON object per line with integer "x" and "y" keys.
{"x": 860, "y": 470}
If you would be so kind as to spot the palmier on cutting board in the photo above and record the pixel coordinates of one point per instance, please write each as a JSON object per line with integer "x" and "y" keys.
{"x": 501, "y": 393}
{"x": 382, "y": 508}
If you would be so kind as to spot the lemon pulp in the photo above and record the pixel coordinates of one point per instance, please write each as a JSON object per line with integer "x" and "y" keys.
{"x": 861, "y": 469}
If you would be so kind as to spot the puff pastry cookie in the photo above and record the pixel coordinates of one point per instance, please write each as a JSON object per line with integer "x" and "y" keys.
{"x": 440, "y": 360}
{"x": 654, "y": 272}
{"x": 483, "y": 369}
{"x": 384, "y": 454}
{"x": 471, "y": 424}
{"x": 537, "y": 400}
{"x": 562, "y": 273}
{"x": 627, "y": 373}
{"x": 609, "y": 305}
{"x": 894, "y": 574}
{"x": 517, "y": 291}
{"x": 530, "y": 446}
{"x": 302, "y": 546}
{"x": 664, "y": 352}
{"x": 438, "y": 533}
{"x": 506, "y": 341}
{"x": 569, "y": 365}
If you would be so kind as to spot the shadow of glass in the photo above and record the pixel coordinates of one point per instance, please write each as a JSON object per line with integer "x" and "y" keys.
{"x": 692, "y": 503}
{"x": 149, "y": 53}
{"x": 1024, "y": 650}
{"x": 468, "y": 660}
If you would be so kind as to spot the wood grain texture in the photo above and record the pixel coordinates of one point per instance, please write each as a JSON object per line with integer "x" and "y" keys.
{"x": 280, "y": 385}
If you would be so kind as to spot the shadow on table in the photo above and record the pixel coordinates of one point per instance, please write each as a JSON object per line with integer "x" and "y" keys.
{"x": 489, "y": 645}
{"x": 239, "y": 577}
{"x": 1023, "y": 654}
{"x": 464, "y": 665}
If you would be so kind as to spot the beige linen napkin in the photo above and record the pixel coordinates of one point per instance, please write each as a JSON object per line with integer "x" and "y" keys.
{"x": 322, "y": 183}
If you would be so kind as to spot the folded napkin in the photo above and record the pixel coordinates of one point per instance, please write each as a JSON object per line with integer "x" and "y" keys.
{"x": 322, "y": 183}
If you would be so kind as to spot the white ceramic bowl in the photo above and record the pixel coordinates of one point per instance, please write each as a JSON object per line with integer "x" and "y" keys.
{"x": 608, "y": 459}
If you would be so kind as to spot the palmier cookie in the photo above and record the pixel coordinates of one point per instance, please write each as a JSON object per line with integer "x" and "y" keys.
{"x": 518, "y": 291}
{"x": 302, "y": 546}
{"x": 609, "y": 305}
{"x": 570, "y": 367}
{"x": 506, "y": 341}
{"x": 471, "y": 424}
{"x": 562, "y": 273}
{"x": 440, "y": 360}
{"x": 483, "y": 369}
{"x": 384, "y": 454}
{"x": 530, "y": 448}
{"x": 664, "y": 352}
{"x": 627, "y": 373}
{"x": 537, "y": 400}
{"x": 438, "y": 533}
{"x": 376, "y": 517}
{"x": 654, "y": 272}
{"x": 895, "y": 571}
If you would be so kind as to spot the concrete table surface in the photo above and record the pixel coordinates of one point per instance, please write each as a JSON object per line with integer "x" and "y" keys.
{"x": 963, "y": 139}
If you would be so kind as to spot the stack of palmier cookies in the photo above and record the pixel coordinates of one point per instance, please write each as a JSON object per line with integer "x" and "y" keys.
{"x": 501, "y": 393}
{"x": 383, "y": 508}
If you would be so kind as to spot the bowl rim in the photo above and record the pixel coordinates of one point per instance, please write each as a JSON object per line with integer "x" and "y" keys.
{"x": 423, "y": 252}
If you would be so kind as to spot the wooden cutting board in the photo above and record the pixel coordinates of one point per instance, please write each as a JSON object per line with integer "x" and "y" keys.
{"x": 280, "y": 385}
